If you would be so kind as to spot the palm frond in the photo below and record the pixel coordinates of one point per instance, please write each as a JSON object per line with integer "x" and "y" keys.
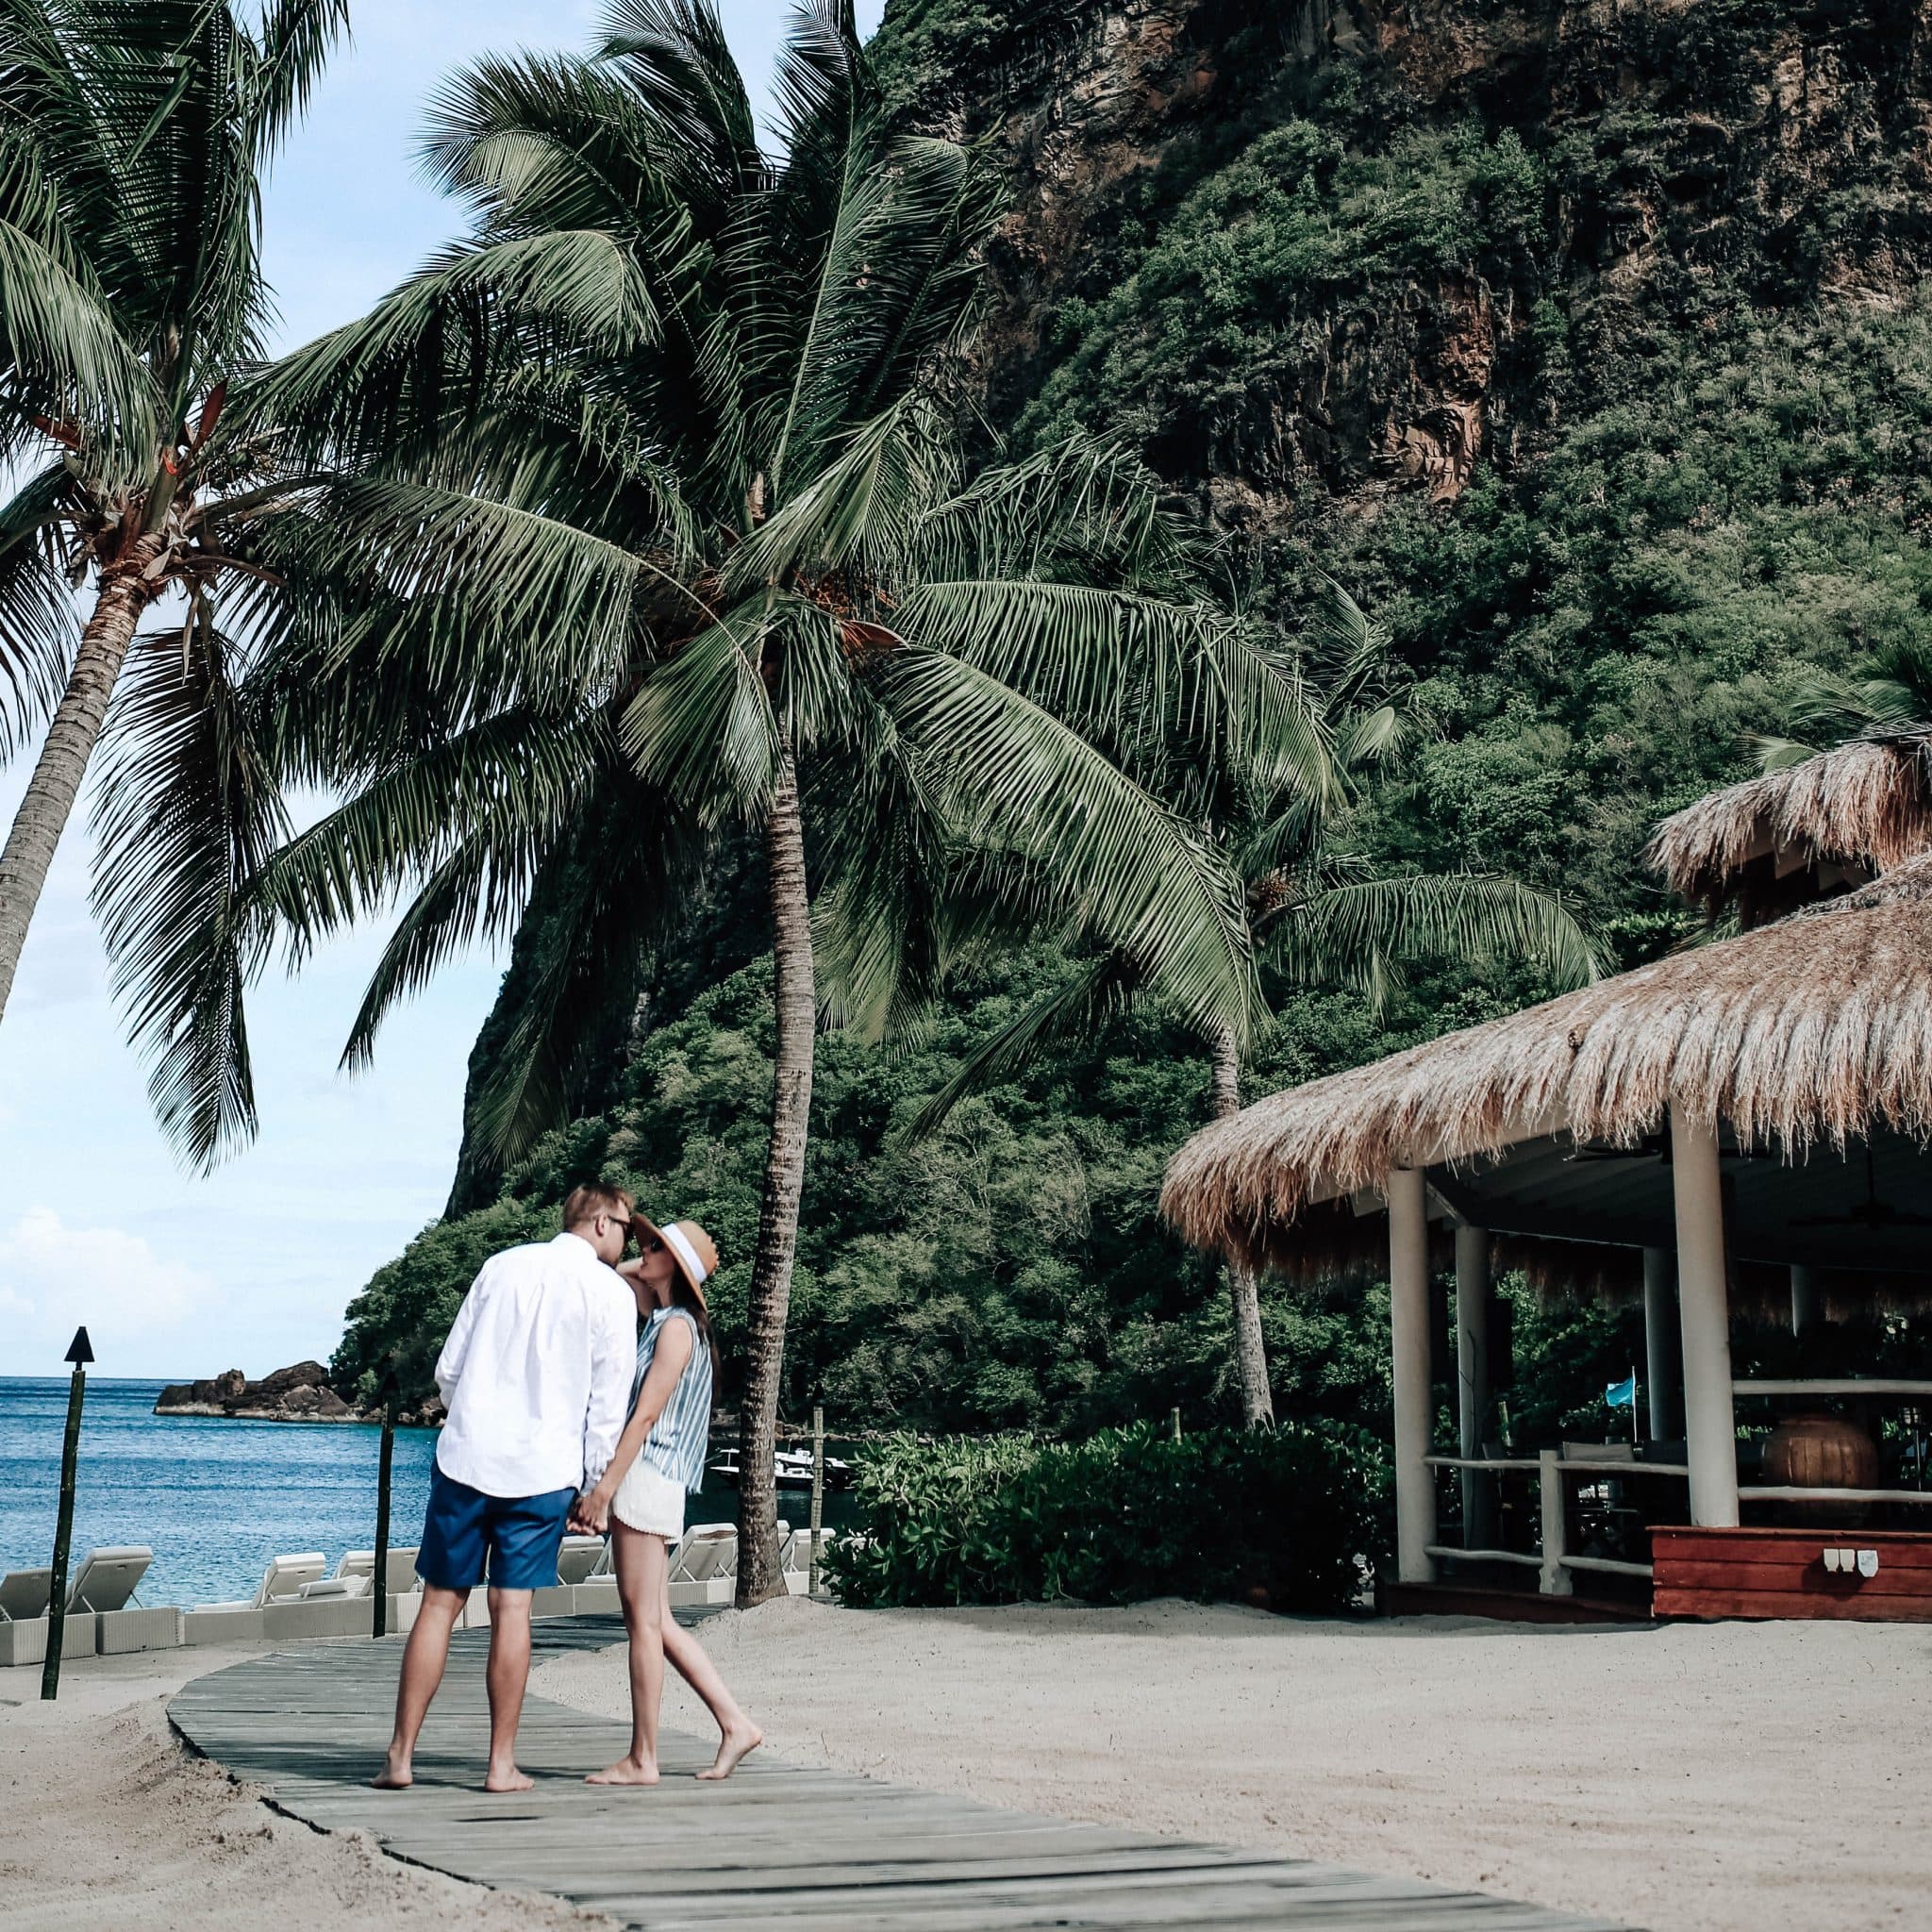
{"x": 185, "y": 813}
{"x": 1098, "y": 991}
{"x": 290, "y": 46}
{"x": 38, "y": 630}
{"x": 1349, "y": 935}
{"x": 702, "y": 725}
{"x": 1021, "y": 781}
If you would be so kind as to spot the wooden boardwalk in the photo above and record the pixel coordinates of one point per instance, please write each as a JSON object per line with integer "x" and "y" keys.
{"x": 780, "y": 1845}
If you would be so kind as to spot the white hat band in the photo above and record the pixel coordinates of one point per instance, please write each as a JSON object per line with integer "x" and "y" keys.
{"x": 681, "y": 1247}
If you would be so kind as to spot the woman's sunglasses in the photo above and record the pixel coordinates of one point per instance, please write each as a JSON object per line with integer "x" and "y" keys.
{"x": 650, "y": 1244}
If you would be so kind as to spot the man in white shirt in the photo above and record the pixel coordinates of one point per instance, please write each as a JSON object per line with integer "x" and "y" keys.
{"x": 535, "y": 1377}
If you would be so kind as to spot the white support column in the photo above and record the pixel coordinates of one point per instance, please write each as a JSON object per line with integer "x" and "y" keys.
{"x": 1660, "y": 1342}
{"x": 1408, "y": 1337}
{"x": 1704, "y": 1309}
{"x": 1473, "y": 1294}
{"x": 1803, "y": 1300}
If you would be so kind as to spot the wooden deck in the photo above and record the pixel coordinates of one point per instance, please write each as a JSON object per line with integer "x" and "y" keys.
{"x": 778, "y": 1846}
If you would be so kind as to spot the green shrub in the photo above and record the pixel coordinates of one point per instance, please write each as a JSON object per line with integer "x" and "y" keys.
{"x": 1288, "y": 1517}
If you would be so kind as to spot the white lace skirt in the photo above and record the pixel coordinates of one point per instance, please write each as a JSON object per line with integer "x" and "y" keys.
{"x": 649, "y": 1500}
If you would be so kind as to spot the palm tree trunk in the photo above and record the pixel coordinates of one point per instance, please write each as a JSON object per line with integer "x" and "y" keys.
{"x": 1251, "y": 1354}
{"x": 56, "y": 783}
{"x": 759, "y": 1575}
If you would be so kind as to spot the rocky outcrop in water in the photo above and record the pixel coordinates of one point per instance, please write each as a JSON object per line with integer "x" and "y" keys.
{"x": 300, "y": 1394}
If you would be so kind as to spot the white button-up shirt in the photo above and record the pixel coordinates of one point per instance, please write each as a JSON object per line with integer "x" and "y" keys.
{"x": 536, "y": 1373}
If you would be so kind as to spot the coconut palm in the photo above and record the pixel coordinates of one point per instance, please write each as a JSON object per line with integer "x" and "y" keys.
{"x": 133, "y": 138}
{"x": 1319, "y": 913}
{"x": 659, "y": 529}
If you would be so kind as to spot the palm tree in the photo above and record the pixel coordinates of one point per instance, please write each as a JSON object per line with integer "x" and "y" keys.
{"x": 660, "y": 529}
{"x": 1319, "y": 913}
{"x": 133, "y": 138}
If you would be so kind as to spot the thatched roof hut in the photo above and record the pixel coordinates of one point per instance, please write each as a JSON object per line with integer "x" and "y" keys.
{"x": 1812, "y": 1031}
{"x": 1754, "y": 1105}
{"x": 1816, "y": 828}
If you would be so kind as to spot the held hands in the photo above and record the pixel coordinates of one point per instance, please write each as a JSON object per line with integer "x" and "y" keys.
{"x": 590, "y": 1515}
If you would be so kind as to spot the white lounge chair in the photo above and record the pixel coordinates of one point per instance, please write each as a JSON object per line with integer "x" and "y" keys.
{"x": 282, "y": 1581}
{"x": 334, "y": 1587}
{"x": 401, "y": 1570}
{"x": 108, "y": 1578}
{"x": 578, "y": 1561}
{"x": 704, "y": 1565}
{"x": 708, "y": 1550}
{"x": 24, "y": 1595}
{"x": 798, "y": 1559}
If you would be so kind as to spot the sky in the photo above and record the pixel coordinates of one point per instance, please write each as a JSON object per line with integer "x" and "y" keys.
{"x": 178, "y": 1276}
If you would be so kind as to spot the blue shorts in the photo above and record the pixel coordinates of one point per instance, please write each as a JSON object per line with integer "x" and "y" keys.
{"x": 519, "y": 1535}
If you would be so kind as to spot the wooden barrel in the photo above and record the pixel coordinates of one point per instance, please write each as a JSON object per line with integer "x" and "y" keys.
{"x": 1822, "y": 1452}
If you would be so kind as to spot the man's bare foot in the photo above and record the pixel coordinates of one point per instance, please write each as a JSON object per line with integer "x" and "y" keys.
{"x": 508, "y": 1779}
{"x": 626, "y": 1770}
{"x": 733, "y": 1749}
{"x": 395, "y": 1775}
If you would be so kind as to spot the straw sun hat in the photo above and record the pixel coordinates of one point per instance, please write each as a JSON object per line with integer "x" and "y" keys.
{"x": 689, "y": 1246}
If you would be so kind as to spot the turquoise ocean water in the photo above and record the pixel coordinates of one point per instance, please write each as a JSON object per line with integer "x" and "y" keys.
{"x": 215, "y": 1499}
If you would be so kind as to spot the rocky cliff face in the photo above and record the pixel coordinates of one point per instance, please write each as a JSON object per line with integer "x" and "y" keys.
{"x": 1647, "y": 162}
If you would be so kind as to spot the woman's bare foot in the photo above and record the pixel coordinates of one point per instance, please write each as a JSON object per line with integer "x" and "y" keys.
{"x": 736, "y": 1744}
{"x": 395, "y": 1775}
{"x": 626, "y": 1770}
{"x": 508, "y": 1779}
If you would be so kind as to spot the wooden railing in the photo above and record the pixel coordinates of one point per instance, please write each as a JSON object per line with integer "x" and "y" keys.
{"x": 1554, "y": 1562}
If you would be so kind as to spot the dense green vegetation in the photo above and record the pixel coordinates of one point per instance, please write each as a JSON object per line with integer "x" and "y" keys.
{"x": 1290, "y": 1518}
{"x": 1010, "y": 1273}
{"x": 1701, "y": 481}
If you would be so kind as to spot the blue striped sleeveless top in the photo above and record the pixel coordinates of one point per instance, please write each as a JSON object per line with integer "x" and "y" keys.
{"x": 680, "y": 1436}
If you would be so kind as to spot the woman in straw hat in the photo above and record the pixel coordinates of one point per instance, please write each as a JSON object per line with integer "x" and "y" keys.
{"x": 660, "y": 1458}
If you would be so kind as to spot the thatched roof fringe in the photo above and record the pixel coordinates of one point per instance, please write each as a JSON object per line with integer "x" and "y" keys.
{"x": 1811, "y": 1031}
{"x": 1865, "y": 806}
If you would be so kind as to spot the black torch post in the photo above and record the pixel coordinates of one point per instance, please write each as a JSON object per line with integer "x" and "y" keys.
{"x": 79, "y": 1353}
{"x": 380, "y": 1584}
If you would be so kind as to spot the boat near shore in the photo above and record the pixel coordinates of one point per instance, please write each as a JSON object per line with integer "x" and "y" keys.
{"x": 792, "y": 1469}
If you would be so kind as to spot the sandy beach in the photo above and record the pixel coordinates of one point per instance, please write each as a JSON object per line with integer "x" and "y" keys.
{"x": 105, "y": 1820}
{"x": 1732, "y": 1777}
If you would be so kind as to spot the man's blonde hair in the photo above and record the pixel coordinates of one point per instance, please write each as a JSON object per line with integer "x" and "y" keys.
{"x": 586, "y": 1203}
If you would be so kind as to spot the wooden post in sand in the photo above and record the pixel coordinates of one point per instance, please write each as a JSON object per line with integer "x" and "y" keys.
{"x": 818, "y": 1495}
{"x": 80, "y": 1352}
{"x": 384, "y": 1462}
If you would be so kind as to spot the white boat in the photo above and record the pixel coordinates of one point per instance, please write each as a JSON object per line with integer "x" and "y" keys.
{"x": 790, "y": 1469}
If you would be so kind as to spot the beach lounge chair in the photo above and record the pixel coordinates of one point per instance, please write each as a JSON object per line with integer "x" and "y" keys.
{"x": 401, "y": 1571}
{"x": 24, "y": 1595}
{"x": 578, "y": 1561}
{"x": 108, "y": 1578}
{"x": 281, "y": 1581}
{"x": 325, "y": 1587}
{"x": 704, "y": 1565}
{"x": 798, "y": 1558}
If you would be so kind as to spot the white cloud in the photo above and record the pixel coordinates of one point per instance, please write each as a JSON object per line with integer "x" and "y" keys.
{"x": 53, "y": 1279}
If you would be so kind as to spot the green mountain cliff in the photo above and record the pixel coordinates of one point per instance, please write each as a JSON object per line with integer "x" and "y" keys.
{"x": 1586, "y": 345}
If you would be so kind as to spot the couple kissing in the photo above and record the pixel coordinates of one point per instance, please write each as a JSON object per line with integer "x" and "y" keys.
{"x": 562, "y": 1415}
